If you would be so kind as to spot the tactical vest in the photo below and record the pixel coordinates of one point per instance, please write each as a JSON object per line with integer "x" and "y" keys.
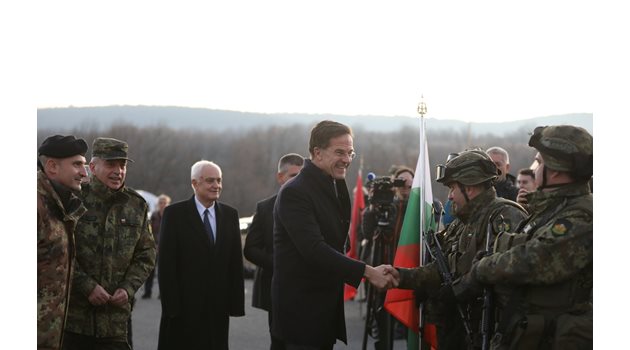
{"x": 461, "y": 248}
{"x": 462, "y": 252}
{"x": 557, "y": 316}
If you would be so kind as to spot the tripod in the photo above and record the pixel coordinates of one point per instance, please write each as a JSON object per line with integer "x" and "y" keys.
{"x": 381, "y": 251}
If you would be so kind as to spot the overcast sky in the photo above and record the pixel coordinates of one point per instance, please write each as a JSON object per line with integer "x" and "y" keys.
{"x": 473, "y": 61}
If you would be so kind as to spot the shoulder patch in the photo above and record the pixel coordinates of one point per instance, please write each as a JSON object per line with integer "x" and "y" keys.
{"x": 507, "y": 226}
{"x": 560, "y": 227}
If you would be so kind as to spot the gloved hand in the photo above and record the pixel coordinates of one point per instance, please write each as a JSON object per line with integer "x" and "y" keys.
{"x": 445, "y": 294}
{"x": 467, "y": 286}
{"x": 480, "y": 255}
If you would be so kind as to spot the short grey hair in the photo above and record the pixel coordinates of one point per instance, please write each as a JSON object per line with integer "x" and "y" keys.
{"x": 195, "y": 170}
{"x": 501, "y": 151}
{"x": 288, "y": 160}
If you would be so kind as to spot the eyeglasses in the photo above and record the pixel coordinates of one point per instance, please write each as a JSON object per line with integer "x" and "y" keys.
{"x": 341, "y": 154}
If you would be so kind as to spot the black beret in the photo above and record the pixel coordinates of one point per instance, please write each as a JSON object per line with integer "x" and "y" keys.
{"x": 59, "y": 146}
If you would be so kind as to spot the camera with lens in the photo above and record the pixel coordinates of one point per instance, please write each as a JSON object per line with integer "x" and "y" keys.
{"x": 381, "y": 199}
{"x": 382, "y": 190}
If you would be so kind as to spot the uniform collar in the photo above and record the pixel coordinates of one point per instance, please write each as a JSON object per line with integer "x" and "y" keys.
{"x": 72, "y": 208}
{"x": 540, "y": 200}
{"x": 97, "y": 187}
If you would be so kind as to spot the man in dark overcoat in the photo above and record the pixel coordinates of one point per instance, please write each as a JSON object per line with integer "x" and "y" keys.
{"x": 200, "y": 269}
{"x": 259, "y": 242}
{"x": 311, "y": 220}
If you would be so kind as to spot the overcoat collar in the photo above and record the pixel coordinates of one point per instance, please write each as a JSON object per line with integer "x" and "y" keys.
{"x": 326, "y": 182}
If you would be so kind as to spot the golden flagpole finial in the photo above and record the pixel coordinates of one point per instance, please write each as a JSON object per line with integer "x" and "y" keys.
{"x": 422, "y": 107}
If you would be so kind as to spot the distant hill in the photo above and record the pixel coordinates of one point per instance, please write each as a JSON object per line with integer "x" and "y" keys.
{"x": 202, "y": 118}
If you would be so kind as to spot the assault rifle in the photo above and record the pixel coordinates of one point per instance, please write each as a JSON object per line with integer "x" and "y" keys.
{"x": 433, "y": 245}
{"x": 488, "y": 299}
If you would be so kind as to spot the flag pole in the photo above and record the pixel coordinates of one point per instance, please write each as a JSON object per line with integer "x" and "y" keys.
{"x": 422, "y": 110}
{"x": 401, "y": 302}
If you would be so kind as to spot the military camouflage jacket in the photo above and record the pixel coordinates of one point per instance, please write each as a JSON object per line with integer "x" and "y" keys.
{"x": 559, "y": 250}
{"x": 55, "y": 254}
{"x": 115, "y": 249}
{"x": 464, "y": 238}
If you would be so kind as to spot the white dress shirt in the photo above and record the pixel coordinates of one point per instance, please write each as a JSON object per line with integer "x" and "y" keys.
{"x": 211, "y": 214}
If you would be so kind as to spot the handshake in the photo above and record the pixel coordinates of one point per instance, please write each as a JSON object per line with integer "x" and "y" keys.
{"x": 382, "y": 276}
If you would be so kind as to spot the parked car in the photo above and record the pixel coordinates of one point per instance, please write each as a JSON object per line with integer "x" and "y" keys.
{"x": 248, "y": 267}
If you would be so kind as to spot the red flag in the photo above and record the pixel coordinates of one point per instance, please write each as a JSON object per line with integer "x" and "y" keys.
{"x": 355, "y": 220}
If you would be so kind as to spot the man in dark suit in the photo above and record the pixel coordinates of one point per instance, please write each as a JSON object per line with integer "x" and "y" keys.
{"x": 311, "y": 221}
{"x": 200, "y": 269}
{"x": 259, "y": 242}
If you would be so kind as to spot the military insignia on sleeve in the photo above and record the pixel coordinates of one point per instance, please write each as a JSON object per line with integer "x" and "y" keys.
{"x": 560, "y": 227}
{"x": 503, "y": 226}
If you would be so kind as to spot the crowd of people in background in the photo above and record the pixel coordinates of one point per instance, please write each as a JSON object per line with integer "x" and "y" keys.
{"x": 525, "y": 239}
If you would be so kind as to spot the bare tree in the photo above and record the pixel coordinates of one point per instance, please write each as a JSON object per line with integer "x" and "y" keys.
{"x": 163, "y": 156}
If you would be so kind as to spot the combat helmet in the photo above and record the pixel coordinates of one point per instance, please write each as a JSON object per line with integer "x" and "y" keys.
{"x": 565, "y": 148}
{"x": 470, "y": 167}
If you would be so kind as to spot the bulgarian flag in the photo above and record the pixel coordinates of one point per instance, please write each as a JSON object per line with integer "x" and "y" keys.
{"x": 355, "y": 220}
{"x": 418, "y": 218}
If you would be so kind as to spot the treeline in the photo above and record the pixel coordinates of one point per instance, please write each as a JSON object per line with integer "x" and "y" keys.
{"x": 163, "y": 156}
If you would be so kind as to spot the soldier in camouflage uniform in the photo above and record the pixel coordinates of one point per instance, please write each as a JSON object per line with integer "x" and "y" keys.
{"x": 61, "y": 167}
{"x": 469, "y": 176}
{"x": 115, "y": 253}
{"x": 543, "y": 274}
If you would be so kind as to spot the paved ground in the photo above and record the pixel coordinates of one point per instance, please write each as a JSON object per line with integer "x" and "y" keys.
{"x": 246, "y": 333}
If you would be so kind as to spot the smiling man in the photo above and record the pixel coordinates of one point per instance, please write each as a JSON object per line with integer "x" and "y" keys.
{"x": 311, "y": 220}
{"x": 60, "y": 171}
{"x": 200, "y": 270}
{"x": 115, "y": 253}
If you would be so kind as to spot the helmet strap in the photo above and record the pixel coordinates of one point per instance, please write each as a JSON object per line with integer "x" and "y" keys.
{"x": 544, "y": 183}
{"x": 462, "y": 188}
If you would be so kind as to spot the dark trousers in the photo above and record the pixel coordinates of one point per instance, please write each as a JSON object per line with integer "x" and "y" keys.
{"x": 74, "y": 341}
{"x": 276, "y": 344}
{"x": 195, "y": 332}
{"x": 384, "y": 323}
{"x": 148, "y": 285}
